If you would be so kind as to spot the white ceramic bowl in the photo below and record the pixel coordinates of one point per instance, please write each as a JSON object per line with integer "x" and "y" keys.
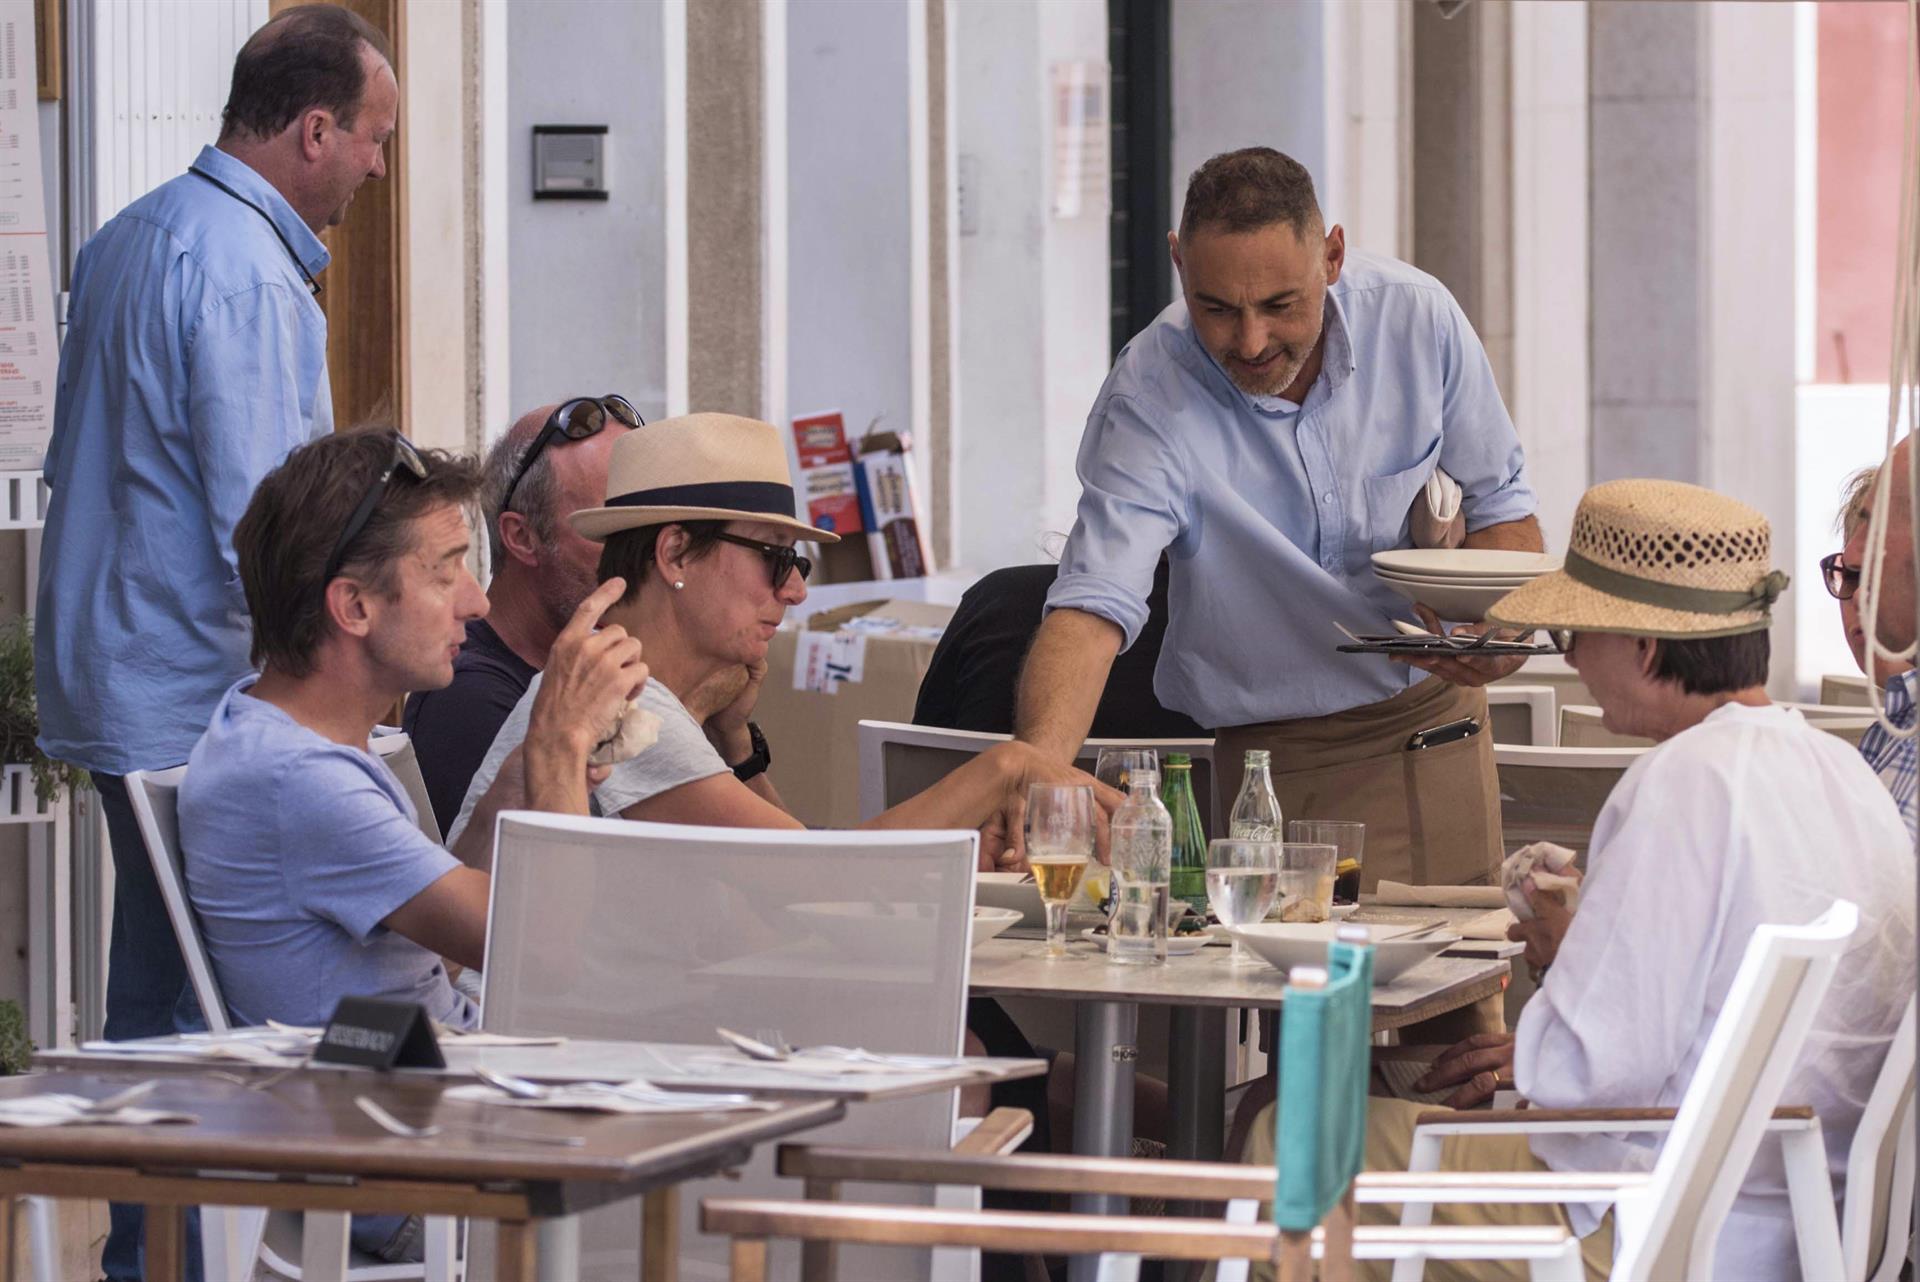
{"x": 1452, "y": 601}
{"x": 1285, "y": 945}
{"x": 988, "y": 922}
{"x": 1011, "y": 890}
{"x": 1466, "y": 563}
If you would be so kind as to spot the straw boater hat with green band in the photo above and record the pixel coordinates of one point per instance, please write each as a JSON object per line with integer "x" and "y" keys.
{"x": 1655, "y": 559}
{"x": 698, "y": 467}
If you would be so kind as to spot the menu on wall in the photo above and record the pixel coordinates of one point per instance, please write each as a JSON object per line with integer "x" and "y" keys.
{"x": 29, "y": 354}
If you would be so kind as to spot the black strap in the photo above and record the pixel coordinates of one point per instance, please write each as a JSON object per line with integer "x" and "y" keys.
{"x": 279, "y": 235}
{"x": 740, "y": 496}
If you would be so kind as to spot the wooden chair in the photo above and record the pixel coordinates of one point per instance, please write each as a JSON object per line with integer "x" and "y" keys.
{"x": 1667, "y": 1222}
{"x": 233, "y": 1237}
{"x": 1320, "y": 1121}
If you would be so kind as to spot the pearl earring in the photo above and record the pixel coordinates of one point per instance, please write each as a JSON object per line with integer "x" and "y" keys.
{"x": 679, "y": 584}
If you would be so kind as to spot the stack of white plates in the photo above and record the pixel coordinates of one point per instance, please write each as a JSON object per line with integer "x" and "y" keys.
{"x": 1460, "y": 584}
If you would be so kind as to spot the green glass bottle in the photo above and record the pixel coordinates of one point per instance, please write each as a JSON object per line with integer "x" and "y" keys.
{"x": 1189, "y": 881}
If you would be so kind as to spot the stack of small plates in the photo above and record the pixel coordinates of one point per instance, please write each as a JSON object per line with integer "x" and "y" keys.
{"x": 1459, "y": 584}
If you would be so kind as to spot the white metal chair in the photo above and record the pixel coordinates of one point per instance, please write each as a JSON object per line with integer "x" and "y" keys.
{"x": 1668, "y": 1222}
{"x": 609, "y": 928}
{"x": 396, "y": 748}
{"x": 233, "y": 1237}
{"x": 1847, "y": 689}
{"x": 898, "y": 761}
{"x": 1553, "y": 671}
{"x": 1522, "y": 714}
{"x": 1556, "y": 794}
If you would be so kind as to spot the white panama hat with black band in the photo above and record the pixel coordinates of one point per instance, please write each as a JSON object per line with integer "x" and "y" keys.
{"x": 698, "y": 467}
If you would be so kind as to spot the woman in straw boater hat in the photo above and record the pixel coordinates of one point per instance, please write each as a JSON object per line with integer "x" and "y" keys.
{"x": 1742, "y": 814}
{"x": 699, "y": 521}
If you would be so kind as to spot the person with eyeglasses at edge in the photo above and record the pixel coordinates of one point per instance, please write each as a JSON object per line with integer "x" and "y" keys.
{"x": 195, "y": 360}
{"x": 1893, "y": 757}
{"x": 699, "y": 523}
{"x": 552, "y": 461}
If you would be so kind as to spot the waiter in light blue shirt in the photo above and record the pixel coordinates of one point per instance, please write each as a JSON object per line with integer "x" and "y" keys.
{"x": 1268, "y": 433}
{"x": 195, "y": 360}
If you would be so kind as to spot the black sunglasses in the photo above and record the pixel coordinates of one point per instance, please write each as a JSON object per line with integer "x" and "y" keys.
{"x": 1842, "y": 580}
{"x": 406, "y": 458}
{"x": 781, "y": 559}
{"x": 576, "y": 420}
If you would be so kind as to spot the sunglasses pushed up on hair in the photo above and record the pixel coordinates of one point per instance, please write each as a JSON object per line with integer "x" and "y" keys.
{"x": 573, "y": 420}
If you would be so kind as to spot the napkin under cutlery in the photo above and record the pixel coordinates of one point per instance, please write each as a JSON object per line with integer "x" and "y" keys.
{"x": 1398, "y": 894}
{"x": 77, "y": 1110}
{"x": 636, "y": 1097}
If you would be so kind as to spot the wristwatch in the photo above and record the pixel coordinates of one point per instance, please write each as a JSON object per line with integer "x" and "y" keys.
{"x": 757, "y": 761}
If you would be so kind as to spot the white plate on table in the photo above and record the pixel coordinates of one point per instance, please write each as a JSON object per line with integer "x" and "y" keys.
{"x": 1465, "y": 563}
{"x": 988, "y": 922}
{"x": 1013, "y": 890}
{"x": 1284, "y": 945}
{"x": 1177, "y": 945}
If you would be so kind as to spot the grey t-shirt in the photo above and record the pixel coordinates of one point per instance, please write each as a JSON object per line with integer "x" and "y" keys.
{"x": 681, "y": 755}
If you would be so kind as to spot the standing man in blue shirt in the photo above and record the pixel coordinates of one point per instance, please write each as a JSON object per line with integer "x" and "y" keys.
{"x": 1269, "y": 432}
{"x": 195, "y": 360}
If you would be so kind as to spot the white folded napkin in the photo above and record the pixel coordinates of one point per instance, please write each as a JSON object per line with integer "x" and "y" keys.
{"x": 1488, "y": 925}
{"x": 636, "y": 1097}
{"x": 72, "y": 1110}
{"x": 1435, "y": 519}
{"x": 1546, "y": 867}
{"x": 1398, "y": 894}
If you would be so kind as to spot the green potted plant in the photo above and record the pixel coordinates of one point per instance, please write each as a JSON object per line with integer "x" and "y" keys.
{"x": 20, "y": 715}
{"x": 16, "y": 1051}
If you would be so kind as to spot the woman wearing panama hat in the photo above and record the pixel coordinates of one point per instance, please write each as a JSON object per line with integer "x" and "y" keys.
{"x": 699, "y": 521}
{"x": 1742, "y": 815}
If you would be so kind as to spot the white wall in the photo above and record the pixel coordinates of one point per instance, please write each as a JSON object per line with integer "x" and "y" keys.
{"x": 588, "y": 277}
{"x": 1033, "y": 289}
{"x": 1248, "y": 73}
{"x": 848, "y": 240}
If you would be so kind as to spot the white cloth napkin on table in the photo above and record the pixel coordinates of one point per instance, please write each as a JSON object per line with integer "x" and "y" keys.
{"x": 610, "y": 1097}
{"x": 72, "y": 1110}
{"x": 1398, "y": 894}
{"x": 1548, "y": 868}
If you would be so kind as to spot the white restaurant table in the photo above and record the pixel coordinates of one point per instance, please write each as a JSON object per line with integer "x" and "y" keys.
{"x": 1198, "y": 990}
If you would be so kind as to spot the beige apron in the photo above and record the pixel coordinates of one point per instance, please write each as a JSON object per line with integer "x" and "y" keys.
{"x": 1432, "y": 814}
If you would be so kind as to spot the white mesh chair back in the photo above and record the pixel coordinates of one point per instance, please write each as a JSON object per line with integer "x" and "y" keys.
{"x": 1556, "y": 794}
{"x": 1522, "y": 714}
{"x": 154, "y": 796}
{"x": 1848, "y": 689}
{"x": 1722, "y": 1119}
{"x": 606, "y": 928}
{"x": 396, "y": 749}
{"x": 1877, "y": 1218}
{"x": 898, "y": 761}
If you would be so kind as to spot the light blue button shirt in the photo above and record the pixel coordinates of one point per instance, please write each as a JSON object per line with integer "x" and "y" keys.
{"x": 1269, "y": 511}
{"x": 195, "y": 361}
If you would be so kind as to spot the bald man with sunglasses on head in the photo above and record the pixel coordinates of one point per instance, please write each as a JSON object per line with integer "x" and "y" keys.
{"x": 552, "y": 461}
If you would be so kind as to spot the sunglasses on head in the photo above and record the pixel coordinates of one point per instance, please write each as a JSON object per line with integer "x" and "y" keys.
{"x": 405, "y": 459}
{"x": 1842, "y": 580}
{"x": 574, "y": 420}
{"x": 781, "y": 559}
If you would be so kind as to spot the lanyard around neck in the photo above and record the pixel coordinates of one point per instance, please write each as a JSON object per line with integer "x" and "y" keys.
{"x": 279, "y": 235}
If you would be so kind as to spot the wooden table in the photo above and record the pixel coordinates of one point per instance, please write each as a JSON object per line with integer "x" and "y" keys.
{"x": 319, "y": 1152}
{"x": 1198, "y": 991}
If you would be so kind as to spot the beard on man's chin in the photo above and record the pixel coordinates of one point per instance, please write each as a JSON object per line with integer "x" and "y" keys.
{"x": 1285, "y": 370}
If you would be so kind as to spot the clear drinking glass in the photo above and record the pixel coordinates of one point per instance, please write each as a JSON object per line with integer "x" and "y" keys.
{"x": 1059, "y": 846}
{"x": 1348, "y": 838}
{"x": 1306, "y": 880}
{"x": 1243, "y": 880}
{"x": 1114, "y": 767}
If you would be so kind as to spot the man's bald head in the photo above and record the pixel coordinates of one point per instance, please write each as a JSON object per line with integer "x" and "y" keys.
{"x": 533, "y": 497}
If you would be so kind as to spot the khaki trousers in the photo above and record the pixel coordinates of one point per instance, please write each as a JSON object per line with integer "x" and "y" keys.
{"x": 1390, "y": 1146}
{"x": 1432, "y": 814}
